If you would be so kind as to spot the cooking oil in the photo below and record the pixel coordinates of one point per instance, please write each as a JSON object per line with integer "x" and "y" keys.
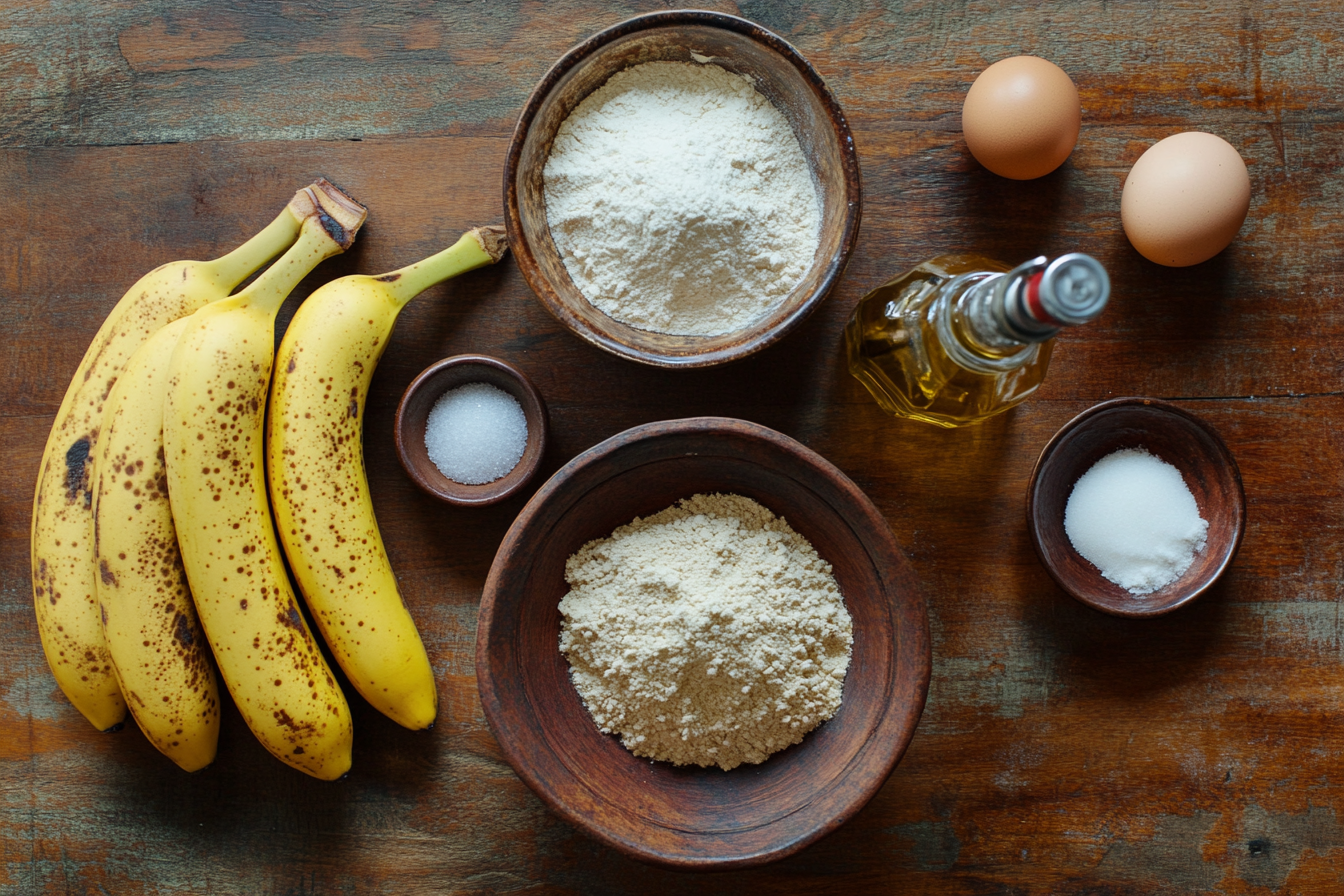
{"x": 961, "y": 338}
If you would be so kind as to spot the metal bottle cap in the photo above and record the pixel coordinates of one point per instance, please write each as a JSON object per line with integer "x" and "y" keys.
{"x": 1038, "y": 298}
{"x": 1074, "y": 289}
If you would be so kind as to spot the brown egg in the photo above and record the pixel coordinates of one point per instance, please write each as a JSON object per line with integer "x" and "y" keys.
{"x": 1021, "y": 117}
{"x": 1185, "y": 199}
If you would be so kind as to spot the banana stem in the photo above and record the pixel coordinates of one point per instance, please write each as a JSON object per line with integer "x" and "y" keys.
{"x": 269, "y": 291}
{"x": 235, "y": 267}
{"x": 329, "y": 221}
{"x": 476, "y": 248}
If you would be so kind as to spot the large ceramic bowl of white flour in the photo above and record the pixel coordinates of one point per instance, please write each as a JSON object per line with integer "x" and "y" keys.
{"x": 682, "y": 189}
{"x": 693, "y": 816}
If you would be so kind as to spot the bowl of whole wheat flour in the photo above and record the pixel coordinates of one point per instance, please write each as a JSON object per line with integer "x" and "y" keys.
{"x": 553, "y": 711}
{"x": 682, "y": 189}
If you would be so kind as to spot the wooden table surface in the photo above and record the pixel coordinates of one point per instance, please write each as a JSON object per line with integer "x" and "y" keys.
{"x": 1061, "y": 750}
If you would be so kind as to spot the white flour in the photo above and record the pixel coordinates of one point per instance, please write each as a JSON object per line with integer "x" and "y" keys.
{"x": 710, "y": 633}
{"x": 680, "y": 200}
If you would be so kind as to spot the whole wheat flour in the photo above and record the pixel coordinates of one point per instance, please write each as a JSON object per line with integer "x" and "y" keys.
{"x": 709, "y": 633}
{"x": 680, "y": 200}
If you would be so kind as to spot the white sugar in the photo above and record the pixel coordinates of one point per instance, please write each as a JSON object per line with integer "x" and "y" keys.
{"x": 476, "y": 433}
{"x": 1132, "y": 516}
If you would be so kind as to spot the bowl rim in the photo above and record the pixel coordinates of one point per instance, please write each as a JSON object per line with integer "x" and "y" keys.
{"x": 904, "y": 720}
{"x": 522, "y": 250}
{"x": 511, "y": 482}
{"x": 1140, "y": 609}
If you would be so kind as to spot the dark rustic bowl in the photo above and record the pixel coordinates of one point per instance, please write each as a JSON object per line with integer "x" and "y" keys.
{"x": 419, "y": 399}
{"x": 683, "y": 817}
{"x": 781, "y": 73}
{"x": 1177, "y": 437}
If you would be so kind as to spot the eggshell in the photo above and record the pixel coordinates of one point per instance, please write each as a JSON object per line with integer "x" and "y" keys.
{"x": 1185, "y": 199}
{"x": 1021, "y": 117}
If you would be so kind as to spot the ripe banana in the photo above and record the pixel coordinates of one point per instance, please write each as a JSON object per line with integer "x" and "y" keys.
{"x": 319, "y": 490}
{"x": 213, "y": 429}
{"x": 62, "y": 549}
{"x": 158, "y": 650}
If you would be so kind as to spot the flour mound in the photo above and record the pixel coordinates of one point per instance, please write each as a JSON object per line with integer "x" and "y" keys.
{"x": 709, "y": 633}
{"x": 680, "y": 200}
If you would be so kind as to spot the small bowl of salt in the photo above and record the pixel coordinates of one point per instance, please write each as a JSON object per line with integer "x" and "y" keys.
{"x": 1136, "y": 507}
{"x": 471, "y": 430}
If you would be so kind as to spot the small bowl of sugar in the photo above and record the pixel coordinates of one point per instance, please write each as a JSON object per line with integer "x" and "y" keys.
{"x": 471, "y": 430}
{"x": 1136, "y": 507}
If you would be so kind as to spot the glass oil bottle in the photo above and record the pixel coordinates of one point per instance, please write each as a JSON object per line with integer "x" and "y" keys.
{"x": 961, "y": 338}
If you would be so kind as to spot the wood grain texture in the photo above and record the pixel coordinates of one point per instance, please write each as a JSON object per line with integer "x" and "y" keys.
{"x": 1061, "y": 751}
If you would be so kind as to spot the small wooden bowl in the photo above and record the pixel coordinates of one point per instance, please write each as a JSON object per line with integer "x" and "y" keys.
{"x": 419, "y": 399}
{"x": 1167, "y": 432}
{"x": 683, "y": 817}
{"x": 781, "y": 74}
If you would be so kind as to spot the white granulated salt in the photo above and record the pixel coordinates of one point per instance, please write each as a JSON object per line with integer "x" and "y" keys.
{"x": 710, "y": 633}
{"x": 681, "y": 200}
{"x": 1132, "y": 516}
{"x": 476, "y": 433}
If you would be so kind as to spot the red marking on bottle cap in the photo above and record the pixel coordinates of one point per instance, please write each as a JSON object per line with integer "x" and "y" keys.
{"x": 1034, "y": 305}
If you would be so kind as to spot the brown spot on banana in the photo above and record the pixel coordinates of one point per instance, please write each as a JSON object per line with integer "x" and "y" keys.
{"x": 288, "y": 721}
{"x": 77, "y": 463}
{"x": 182, "y": 631}
{"x": 291, "y": 618}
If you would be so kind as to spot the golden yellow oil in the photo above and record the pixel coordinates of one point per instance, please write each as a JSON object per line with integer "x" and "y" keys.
{"x": 895, "y": 348}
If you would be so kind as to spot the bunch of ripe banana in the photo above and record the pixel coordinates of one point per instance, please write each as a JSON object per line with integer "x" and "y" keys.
{"x": 152, "y": 531}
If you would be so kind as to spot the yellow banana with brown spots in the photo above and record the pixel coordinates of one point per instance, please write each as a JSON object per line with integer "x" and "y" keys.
{"x": 62, "y": 550}
{"x": 159, "y": 652}
{"x": 213, "y": 431}
{"x": 319, "y": 490}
